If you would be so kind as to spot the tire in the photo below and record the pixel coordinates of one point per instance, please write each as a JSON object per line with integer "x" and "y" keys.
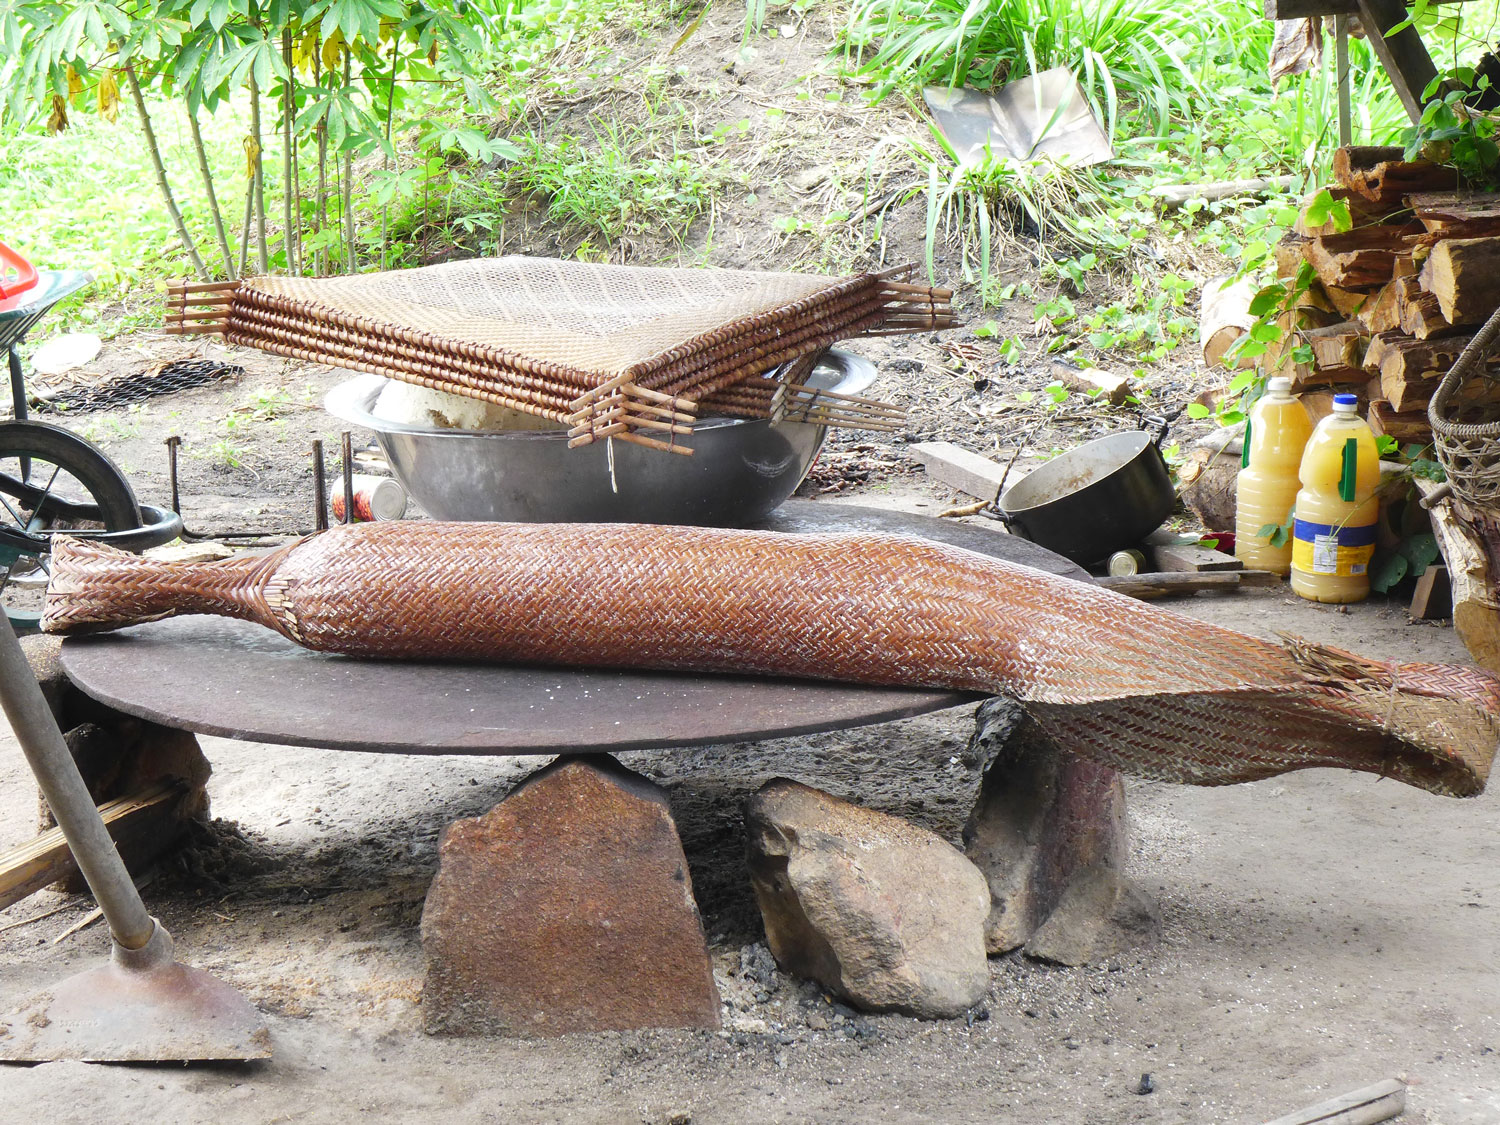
{"x": 78, "y": 487}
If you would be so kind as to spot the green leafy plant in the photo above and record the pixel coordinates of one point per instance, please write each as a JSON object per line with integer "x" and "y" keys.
{"x": 1451, "y": 132}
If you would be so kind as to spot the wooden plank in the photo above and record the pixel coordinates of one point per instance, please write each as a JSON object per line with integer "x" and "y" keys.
{"x": 1367, "y": 1106}
{"x": 960, "y": 468}
{"x": 1147, "y": 587}
{"x": 1403, "y": 54}
{"x": 1168, "y": 551}
{"x": 1106, "y": 385}
{"x": 1463, "y": 274}
{"x": 28, "y": 868}
{"x": 1433, "y": 597}
{"x": 1457, "y": 214}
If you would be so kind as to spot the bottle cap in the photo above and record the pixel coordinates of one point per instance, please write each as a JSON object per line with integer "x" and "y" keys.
{"x": 1279, "y": 385}
{"x": 1345, "y": 404}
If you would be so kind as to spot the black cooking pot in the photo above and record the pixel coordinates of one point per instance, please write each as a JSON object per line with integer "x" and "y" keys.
{"x": 1091, "y": 501}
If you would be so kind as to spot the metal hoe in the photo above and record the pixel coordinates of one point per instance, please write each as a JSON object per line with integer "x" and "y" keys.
{"x": 143, "y": 1006}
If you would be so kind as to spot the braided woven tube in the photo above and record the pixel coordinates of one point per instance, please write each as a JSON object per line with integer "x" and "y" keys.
{"x": 1142, "y": 689}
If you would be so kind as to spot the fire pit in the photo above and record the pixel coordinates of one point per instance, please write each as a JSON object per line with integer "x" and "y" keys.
{"x": 740, "y": 470}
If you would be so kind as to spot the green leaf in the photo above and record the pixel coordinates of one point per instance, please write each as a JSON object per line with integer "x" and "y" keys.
{"x": 1387, "y": 568}
{"x": 1197, "y": 410}
{"x": 1420, "y": 550}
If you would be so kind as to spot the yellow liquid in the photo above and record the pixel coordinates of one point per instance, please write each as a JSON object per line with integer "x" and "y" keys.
{"x": 1335, "y": 537}
{"x": 1267, "y": 487}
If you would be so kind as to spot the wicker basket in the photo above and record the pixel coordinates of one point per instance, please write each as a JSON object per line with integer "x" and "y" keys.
{"x": 1467, "y": 434}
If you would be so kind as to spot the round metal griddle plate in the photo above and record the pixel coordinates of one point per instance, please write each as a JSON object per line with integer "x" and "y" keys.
{"x": 239, "y": 680}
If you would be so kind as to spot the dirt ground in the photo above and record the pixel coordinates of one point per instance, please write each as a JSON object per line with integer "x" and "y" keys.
{"x": 1322, "y": 930}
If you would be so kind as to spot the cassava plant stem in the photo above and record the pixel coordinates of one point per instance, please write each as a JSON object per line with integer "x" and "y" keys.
{"x": 208, "y": 189}
{"x": 350, "y": 265}
{"x": 161, "y": 174}
{"x": 288, "y": 108}
{"x": 258, "y": 180}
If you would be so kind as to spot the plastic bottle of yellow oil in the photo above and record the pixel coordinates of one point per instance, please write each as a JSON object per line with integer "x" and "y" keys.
{"x": 1275, "y": 436}
{"x": 1334, "y": 532}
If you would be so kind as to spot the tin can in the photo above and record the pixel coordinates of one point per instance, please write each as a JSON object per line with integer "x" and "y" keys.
{"x": 1122, "y": 563}
{"x": 375, "y": 498}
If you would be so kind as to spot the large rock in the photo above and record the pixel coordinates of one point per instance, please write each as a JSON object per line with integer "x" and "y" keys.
{"x": 1043, "y": 815}
{"x": 567, "y": 907}
{"x": 1101, "y": 913}
{"x": 886, "y": 914}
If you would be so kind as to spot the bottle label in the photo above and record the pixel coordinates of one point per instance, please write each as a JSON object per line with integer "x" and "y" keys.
{"x": 1344, "y": 551}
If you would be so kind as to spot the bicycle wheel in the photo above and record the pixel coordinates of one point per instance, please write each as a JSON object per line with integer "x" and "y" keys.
{"x": 51, "y": 481}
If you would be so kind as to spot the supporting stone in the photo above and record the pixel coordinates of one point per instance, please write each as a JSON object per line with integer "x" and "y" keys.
{"x": 567, "y": 907}
{"x": 884, "y": 913}
{"x": 1100, "y": 914}
{"x": 1043, "y": 820}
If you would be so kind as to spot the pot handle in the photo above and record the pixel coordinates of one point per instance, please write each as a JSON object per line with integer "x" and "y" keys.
{"x": 1161, "y": 424}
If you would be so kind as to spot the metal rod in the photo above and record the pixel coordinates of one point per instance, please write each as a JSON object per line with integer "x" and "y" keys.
{"x": 348, "y": 451}
{"x": 320, "y": 488}
{"x": 58, "y": 777}
{"x": 17, "y": 385}
{"x": 1341, "y": 70}
{"x": 172, "y": 443}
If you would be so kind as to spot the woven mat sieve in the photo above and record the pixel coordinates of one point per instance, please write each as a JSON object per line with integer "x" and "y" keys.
{"x": 611, "y": 350}
{"x": 1134, "y": 686}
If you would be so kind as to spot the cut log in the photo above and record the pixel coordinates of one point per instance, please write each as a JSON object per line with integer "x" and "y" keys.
{"x": 1224, "y": 316}
{"x": 1148, "y": 587}
{"x": 1362, "y": 213}
{"x": 1421, "y": 314}
{"x": 1289, "y": 254}
{"x": 26, "y": 869}
{"x": 1463, "y": 274}
{"x": 1410, "y": 370}
{"x": 1351, "y": 162}
{"x": 1410, "y": 426}
{"x": 1458, "y": 214}
{"x": 1476, "y": 609}
{"x": 1338, "y": 345}
{"x": 1310, "y": 377}
{"x": 1360, "y": 259}
{"x": 1380, "y": 174}
{"x": 1382, "y": 312}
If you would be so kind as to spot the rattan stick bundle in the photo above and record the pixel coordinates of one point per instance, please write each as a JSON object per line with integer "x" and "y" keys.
{"x": 1136, "y": 687}
{"x": 613, "y": 351}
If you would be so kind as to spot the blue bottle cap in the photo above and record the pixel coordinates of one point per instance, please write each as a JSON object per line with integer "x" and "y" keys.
{"x": 1346, "y": 400}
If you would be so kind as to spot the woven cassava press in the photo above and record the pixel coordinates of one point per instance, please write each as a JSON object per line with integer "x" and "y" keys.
{"x": 1136, "y": 687}
{"x": 1465, "y": 430}
{"x": 612, "y": 351}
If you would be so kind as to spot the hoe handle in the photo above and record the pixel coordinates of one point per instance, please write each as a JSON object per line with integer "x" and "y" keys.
{"x": 57, "y": 775}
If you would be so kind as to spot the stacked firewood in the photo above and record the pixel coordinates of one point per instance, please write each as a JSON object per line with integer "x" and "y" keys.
{"x": 1397, "y": 295}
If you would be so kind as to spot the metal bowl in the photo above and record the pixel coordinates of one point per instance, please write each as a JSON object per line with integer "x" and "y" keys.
{"x": 740, "y": 470}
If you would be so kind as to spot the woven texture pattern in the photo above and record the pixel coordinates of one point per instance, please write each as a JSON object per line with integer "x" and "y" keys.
{"x": 613, "y": 351}
{"x": 1467, "y": 435}
{"x": 1140, "y": 688}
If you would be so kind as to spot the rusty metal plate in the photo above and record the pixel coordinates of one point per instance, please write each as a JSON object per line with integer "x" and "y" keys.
{"x": 239, "y": 680}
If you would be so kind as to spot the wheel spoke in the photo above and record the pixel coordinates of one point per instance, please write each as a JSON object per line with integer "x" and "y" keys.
{"x": 37, "y": 512}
